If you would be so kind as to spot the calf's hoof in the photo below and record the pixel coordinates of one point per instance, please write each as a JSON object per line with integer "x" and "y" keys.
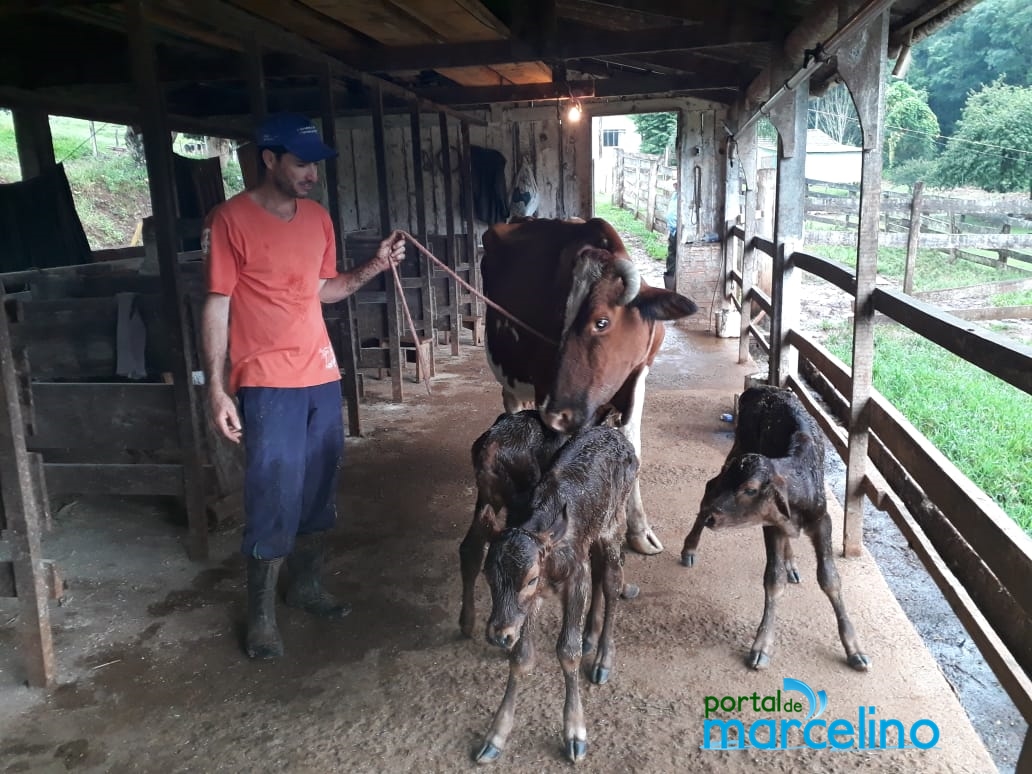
{"x": 758, "y": 659}
{"x": 630, "y": 591}
{"x": 576, "y": 749}
{"x": 488, "y": 753}
{"x": 599, "y": 675}
{"x": 860, "y": 662}
{"x": 644, "y": 542}
{"x": 688, "y": 558}
{"x": 792, "y": 573}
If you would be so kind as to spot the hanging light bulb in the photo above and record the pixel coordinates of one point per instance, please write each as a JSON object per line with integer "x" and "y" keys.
{"x": 574, "y": 113}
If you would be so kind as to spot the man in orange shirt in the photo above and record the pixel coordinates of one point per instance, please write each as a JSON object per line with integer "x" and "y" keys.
{"x": 271, "y": 261}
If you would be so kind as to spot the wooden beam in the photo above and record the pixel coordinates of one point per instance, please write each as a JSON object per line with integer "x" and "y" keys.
{"x": 580, "y": 44}
{"x": 34, "y": 142}
{"x": 862, "y": 67}
{"x": 222, "y": 14}
{"x": 913, "y": 236}
{"x": 451, "y": 260}
{"x": 22, "y": 523}
{"x": 58, "y": 104}
{"x": 349, "y": 378}
{"x": 393, "y": 300}
{"x": 585, "y": 89}
{"x": 426, "y": 273}
{"x": 158, "y": 151}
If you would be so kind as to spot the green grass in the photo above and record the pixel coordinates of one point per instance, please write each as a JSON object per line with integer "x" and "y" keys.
{"x": 978, "y": 421}
{"x": 625, "y": 223}
{"x": 1017, "y": 298}
{"x": 110, "y": 190}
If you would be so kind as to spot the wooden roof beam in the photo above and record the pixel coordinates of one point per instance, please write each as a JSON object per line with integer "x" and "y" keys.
{"x": 581, "y": 89}
{"x": 270, "y": 36}
{"x": 580, "y": 44}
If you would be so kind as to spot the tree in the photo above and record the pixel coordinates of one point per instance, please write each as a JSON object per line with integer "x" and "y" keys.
{"x": 835, "y": 115}
{"x": 981, "y": 46}
{"x": 992, "y": 146}
{"x": 911, "y": 127}
{"x": 657, "y": 130}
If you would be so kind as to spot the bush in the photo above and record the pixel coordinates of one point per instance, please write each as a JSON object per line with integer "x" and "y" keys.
{"x": 910, "y": 172}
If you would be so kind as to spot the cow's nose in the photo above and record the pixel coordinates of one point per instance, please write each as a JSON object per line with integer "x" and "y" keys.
{"x": 561, "y": 421}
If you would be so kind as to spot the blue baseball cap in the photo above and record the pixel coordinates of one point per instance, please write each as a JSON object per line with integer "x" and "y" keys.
{"x": 295, "y": 133}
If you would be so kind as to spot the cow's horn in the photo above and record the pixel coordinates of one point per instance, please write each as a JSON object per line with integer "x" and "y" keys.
{"x": 632, "y": 280}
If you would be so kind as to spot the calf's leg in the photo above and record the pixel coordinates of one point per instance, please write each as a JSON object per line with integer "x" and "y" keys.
{"x": 773, "y": 587}
{"x": 828, "y": 578}
{"x": 521, "y": 661}
{"x": 568, "y": 649}
{"x": 691, "y": 542}
{"x": 593, "y": 623}
{"x": 471, "y": 560}
{"x": 611, "y": 585}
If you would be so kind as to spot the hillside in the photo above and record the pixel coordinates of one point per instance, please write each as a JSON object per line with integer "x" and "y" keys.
{"x": 109, "y": 188}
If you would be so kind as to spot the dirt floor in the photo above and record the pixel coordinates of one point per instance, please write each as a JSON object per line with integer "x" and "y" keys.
{"x": 153, "y": 679}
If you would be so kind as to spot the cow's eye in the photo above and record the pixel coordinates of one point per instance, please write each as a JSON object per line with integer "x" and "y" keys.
{"x": 751, "y": 491}
{"x": 532, "y": 583}
{"x": 601, "y": 323}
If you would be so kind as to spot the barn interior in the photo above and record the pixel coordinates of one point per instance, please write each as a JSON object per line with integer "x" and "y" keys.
{"x": 429, "y": 104}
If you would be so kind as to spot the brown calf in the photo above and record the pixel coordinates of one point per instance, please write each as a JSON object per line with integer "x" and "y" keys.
{"x": 570, "y": 546}
{"x": 509, "y": 459}
{"x": 774, "y": 476}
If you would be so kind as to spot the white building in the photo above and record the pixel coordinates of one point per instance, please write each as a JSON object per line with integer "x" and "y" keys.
{"x": 608, "y": 134}
{"x": 826, "y": 159}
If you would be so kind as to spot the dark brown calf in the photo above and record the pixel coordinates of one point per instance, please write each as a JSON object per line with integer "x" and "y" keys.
{"x": 774, "y": 476}
{"x": 570, "y": 546}
{"x": 509, "y": 459}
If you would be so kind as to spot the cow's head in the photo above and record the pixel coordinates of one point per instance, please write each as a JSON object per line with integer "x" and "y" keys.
{"x": 611, "y": 331}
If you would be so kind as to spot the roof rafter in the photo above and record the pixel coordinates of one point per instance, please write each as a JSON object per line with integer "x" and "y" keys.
{"x": 581, "y": 44}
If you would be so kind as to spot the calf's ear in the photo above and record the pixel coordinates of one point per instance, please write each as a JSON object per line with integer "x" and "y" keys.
{"x": 659, "y": 304}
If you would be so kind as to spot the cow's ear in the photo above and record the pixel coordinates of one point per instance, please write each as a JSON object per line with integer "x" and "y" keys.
{"x": 660, "y": 304}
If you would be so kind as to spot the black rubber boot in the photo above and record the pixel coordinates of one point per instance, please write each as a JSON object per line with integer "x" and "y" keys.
{"x": 306, "y": 591}
{"x": 263, "y": 638}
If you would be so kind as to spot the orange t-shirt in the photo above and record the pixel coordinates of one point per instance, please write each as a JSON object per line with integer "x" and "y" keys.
{"x": 271, "y": 269}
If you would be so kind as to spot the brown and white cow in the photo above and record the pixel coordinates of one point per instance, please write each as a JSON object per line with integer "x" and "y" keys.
{"x": 597, "y": 328}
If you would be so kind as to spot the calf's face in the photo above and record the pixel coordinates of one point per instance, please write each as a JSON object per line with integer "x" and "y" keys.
{"x": 514, "y": 574}
{"x": 747, "y": 492}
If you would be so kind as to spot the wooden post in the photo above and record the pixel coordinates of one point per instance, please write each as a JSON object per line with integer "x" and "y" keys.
{"x": 747, "y": 153}
{"x": 255, "y": 69}
{"x": 913, "y": 237}
{"x": 789, "y": 118}
{"x": 158, "y": 150}
{"x": 650, "y": 201}
{"x": 470, "y": 258}
{"x": 454, "y": 323}
{"x": 22, "y": 527}
{"x": 34, "y": 140}
{"x": 862, "y": 67}
{"x": 426, "y": 273}
{"x": 393, "y": 310}
{"x": 349, "y": 379}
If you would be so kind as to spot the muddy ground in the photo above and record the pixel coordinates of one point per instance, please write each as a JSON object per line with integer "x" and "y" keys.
{"x": 152, "y": 677}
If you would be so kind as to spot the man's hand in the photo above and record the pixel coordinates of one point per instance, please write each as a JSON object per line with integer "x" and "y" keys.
{"x": 391, "y": 251}
{"x": 224, "y": 415}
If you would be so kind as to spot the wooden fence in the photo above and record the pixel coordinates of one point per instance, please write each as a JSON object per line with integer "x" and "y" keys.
{"x": 644, "y": 185}
{"x": 993, "y": 231}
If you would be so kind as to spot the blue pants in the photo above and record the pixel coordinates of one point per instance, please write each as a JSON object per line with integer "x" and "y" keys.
{"x": 293, "y": 448}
